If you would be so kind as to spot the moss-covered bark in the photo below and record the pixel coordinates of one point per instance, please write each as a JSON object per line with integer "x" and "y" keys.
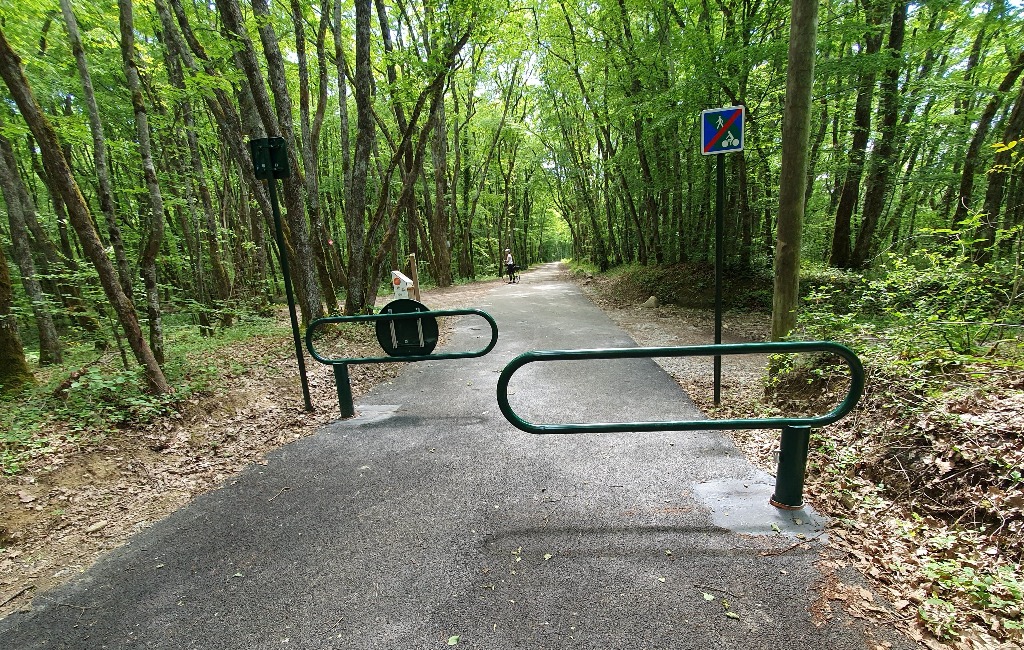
{"x": 14, "y": 371}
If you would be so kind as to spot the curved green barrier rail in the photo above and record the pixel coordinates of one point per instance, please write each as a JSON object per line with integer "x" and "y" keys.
{"x": 340, "y": 365}
{"x": 795, "y": 431}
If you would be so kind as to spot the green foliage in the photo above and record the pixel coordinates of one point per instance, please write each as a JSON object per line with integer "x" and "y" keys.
{"x": 999, "y": 590}
{"x": 687, "y": 285}
{"x": 939, "y": 336}
{"x": 926, "y": 308}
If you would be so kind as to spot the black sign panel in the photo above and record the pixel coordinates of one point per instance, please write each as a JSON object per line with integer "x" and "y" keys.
{"x": 406, "y": 336}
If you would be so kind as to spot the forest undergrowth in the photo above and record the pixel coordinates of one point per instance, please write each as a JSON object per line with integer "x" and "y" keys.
{"x": 923, "y": 482}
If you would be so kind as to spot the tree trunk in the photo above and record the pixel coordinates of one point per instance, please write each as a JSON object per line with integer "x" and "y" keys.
{"x": 319, "y": 247}
{"x": 885, "y": 151}
{"x": 155, "y": 231}
{"x": 796, "y": 130}
{"x": 308, "y": 262}
{"x": 14, "y": 371}
{"x": 99, "y": 152}
{"x": 848, "y": 195}
{"x": 306, "y": 289}
{"x": 985, "y": 240}
{"x": 11, "y": 186}
{"x": 984, "y": 125}
{"x": 355, "y": 216}
{"x": 440, "y": 226}
{"x": 346, "y": 149}
{"x": 60, "y": 176}
{"x": 229, "y": 124}
{"x": 175, "y": 61}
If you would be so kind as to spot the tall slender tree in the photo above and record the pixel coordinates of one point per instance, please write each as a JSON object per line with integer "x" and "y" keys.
{"x": 155, "y": 230}
{"x": 14, "y": 370}
{"x": 796, "y": 128}
{"x": 65, "y": 186}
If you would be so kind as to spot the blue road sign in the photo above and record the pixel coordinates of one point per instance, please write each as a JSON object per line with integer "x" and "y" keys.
{"x": 721, "y": 130}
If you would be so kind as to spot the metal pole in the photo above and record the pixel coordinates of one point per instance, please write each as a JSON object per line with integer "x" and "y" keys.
{"x": 272, "y": 184}
{"x": 344, "y": 387}
{"x": 414, "y": 275}
{"x": 789, "y": 481}
{"x": 719, "y": 256}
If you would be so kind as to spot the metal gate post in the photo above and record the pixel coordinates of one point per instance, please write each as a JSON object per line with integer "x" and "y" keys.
{"x": 344, "y": 390}
{"x": 789, "y": 481}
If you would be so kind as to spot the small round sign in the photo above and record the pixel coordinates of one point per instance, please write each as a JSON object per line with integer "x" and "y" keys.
{"x": 403, "y": 337}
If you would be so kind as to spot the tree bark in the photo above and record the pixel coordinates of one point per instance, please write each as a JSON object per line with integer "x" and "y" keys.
{"x": 355, "y": 216}
{"x": 14, "y": 371}
{"x": 13, "y": 191}
{"x": 440, "y": 226}
{"x": 81, "y": 220}
{"x": 175, "y": 62}
{"x": 155, "y": 231}
{"x": 319, "y": 247}
{"x": 99, "y": 152}
{"x": 230, "y": 126}
{"x": 308, "y": 262}
{"x": 885, "y": 151}
{"x": 303, "y": 268}
{"x": 796, "y": 130}
{"x": 984, "y": 126}
{"x": 985, "y": 240}
{"x": 848, "y": 195}
{"x": 346, "y": 148}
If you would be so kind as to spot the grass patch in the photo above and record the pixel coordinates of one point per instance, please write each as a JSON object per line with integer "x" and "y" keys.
{"x": 93, "y": 395}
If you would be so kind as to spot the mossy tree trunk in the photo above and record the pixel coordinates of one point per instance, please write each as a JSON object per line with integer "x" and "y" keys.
{"x": 14, "y": 370}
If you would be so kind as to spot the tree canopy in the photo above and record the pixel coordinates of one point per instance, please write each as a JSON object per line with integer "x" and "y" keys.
{"x": 453, "y": 131}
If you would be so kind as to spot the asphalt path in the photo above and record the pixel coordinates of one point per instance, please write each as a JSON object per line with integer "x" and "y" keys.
{"x": 428, "y": 521}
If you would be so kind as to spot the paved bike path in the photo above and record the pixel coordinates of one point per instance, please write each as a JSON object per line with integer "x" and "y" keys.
{"x": 429, "y": 517}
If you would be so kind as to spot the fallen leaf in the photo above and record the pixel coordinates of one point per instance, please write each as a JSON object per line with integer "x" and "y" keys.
{"x": 708, "y": 596}
{"x": 548, "y": 556}
{"x": 732, "y": 615}
{"x": 661, "y": 580}
{"x": 25, "y": 497}
{"x": 98, "y": 526}
{"x": 453, "y": 640}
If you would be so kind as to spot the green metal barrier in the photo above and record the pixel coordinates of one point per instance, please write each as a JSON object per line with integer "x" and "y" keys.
{"x": 795, "y": 431}
{"x": 340, "y": 365}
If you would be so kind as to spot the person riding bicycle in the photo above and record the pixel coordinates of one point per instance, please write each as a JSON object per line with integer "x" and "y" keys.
{"x": 510, "y": 265}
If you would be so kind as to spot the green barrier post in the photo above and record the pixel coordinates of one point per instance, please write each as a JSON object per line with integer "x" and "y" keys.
{"x": 344, "y": 387}
{"x": 789, "y": 479}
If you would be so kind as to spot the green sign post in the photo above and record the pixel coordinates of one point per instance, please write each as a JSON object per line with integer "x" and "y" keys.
{"x": 270, "y": 161}
{"x": 721, "y": 132}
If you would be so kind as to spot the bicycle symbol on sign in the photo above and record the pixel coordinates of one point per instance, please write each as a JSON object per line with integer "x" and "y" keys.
{"x": 729, "y": 141}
